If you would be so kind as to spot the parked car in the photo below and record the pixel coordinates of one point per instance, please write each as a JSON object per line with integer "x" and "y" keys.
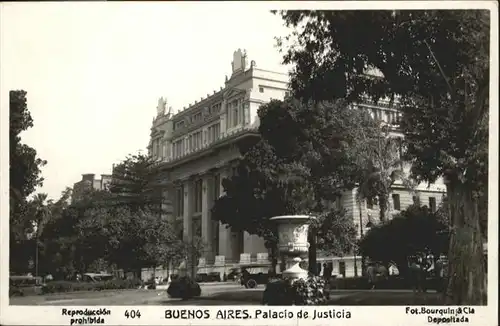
{"x": 254, "y": 274}
{"x": 210, "y": 277}
{"x": 97, "y": 277}
{"x": 234, "y": 274}
{"x": 22, "y": 285}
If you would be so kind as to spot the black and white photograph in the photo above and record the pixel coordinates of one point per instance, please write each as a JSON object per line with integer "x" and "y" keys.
{"x": 231, "y": 154}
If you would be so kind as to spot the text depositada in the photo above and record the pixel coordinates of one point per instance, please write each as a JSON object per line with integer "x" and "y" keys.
{"x": 256, "y": 314}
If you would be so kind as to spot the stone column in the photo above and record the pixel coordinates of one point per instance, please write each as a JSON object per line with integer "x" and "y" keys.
{"x": 206, "y": 218}
{"x": 223, "y": 117}
{"x": 167, "y": 211}
{"x": 224, "y": 233}
{"x": 188, "y": 224}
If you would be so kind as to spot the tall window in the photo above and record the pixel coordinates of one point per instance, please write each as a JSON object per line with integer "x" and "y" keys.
{"x": 235, "y": 112}
{"x": 179, "y": 124}
{"x": 416, "y": 201}
{"x": 198, "y": 192}
{"x": 241, "y": 118}
{"x": 196, "y": 117}
{"x": 396, "y": 202}
{"x": 213, "y": 132}
{"x": 216, "y": 108}
{"x": 178, "y": 148}
{"x": 432, "y": 204}
{"x": 198, "y": 139}
{"x": 179, "y": 201}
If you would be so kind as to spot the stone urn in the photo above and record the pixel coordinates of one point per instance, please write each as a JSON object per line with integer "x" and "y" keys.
{"x": 292, "y": 233}
{"x": 182, "y": 269}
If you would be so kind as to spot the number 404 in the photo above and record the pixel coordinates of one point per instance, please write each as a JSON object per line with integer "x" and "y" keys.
{"x": 132, "y": 314}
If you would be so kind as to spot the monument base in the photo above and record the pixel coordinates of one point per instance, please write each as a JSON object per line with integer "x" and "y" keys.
{"x": 295, "y": 271}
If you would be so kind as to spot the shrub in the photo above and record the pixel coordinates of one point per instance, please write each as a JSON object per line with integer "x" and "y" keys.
{"x": 310, "y": 291}
{"x": 350, "y": 283}
{"x": 278, "y": 292}
{"x": 184, "y": 288}
{"x": 393, "y": 283}
{"x": 282, "y": 292}
{"x": 67, "y": 286}
{"x": 15, "y": 291}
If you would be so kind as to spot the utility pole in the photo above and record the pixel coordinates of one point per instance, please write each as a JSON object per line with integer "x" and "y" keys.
{"x": 361, "y": 237}
{"x": 36, "y": 257}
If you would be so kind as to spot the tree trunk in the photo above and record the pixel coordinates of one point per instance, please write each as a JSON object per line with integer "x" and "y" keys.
{"x": 312, "y": 261}
{"x": 383, "y": 204}
{"x": 36, "y": 256}
{"x": 361, "y": 235}
{"x": 273, "y": 251}
{"x": 467, "y": 279}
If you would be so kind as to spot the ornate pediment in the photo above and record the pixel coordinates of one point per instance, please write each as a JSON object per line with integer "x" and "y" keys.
{"x": 157, "y": 133}
{"x": 233, "y": 92}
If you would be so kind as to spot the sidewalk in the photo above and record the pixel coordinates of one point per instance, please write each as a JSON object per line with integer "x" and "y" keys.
{"x": 342, "y": 297}
{"x": 204, "y": 284}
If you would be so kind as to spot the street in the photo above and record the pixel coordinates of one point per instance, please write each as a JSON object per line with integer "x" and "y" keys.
{"x": 118, "y": 297}
{"x": 214, "y": 294}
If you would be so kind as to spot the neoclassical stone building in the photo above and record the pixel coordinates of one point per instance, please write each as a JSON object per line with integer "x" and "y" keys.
{"x": 196, "y": 149}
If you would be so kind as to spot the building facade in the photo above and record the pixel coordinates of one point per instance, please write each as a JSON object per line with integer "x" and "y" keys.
{"x": 196, "y": 149}
{"x": 89, "y": 182}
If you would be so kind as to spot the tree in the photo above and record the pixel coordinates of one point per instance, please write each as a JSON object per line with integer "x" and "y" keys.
{"x": 41, "y": 212}
{"x": 162, "y": 245}
{"x": 135, "y": 183}
{"x": 24, "y": 178}
{"x": 381, "y": 166}
{"x": 66, "y": 247}
{"x": 436, "y": 63}
{"x": 301, "y": 162}
{"x": 410, "y": 232}
{"x": 122, "y": 227}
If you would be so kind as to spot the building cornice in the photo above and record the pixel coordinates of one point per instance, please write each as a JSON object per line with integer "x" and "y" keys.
{"x": 210, "y": 100}
{"x": 209, "y": 149}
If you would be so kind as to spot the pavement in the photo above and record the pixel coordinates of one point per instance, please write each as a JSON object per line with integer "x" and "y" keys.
{"x": 204, "y": 285}
{"x": 116, "y": 297}
{"x": 214, "y": 294}
{"x": 342, "y": 297}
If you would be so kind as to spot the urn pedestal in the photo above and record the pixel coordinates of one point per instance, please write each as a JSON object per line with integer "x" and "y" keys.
{"x": 292, "y": 233}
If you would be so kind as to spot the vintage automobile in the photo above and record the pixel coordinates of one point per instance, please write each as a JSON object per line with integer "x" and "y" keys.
{"x": 234, "y": 274}
{"x": 22, "y": 285}
{"x": 253, "y": 274}
{"x": 97, "y": 277}
{"x": 210, "y": 277}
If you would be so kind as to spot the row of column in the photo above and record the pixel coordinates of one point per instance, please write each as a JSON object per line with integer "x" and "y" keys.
{"x": 388, "y": 116}
{"x": 227, "y": 245}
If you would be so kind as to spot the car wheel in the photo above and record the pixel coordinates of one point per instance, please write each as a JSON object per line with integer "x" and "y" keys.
{"x": 251, "y": 283}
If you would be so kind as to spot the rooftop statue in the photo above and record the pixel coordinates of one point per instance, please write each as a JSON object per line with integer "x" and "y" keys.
{"x": 162, "y": 104}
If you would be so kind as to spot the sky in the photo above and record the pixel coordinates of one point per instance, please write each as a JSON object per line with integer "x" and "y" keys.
{"x": 93, "y": 72}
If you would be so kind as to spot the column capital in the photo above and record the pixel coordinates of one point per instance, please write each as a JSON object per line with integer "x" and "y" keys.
{"x": 195, "y": 176}
{"x": 213, "y": 171}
